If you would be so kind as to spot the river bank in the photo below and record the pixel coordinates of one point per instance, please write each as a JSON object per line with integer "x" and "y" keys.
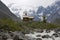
{"x": 36, "y": 34}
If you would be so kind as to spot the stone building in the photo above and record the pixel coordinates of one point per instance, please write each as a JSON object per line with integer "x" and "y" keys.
{"x": 26, "y": 17}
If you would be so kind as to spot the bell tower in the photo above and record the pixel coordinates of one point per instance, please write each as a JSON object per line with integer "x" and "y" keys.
{"x": 26, "y": 17}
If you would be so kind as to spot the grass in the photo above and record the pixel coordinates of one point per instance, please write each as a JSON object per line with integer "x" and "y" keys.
{"x": 8, "y": 24}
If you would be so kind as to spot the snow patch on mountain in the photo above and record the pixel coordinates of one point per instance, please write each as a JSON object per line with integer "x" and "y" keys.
{"x": 37, "y": 12}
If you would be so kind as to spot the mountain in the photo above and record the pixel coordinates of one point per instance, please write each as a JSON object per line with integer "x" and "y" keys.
{"x": 54, "y": 12}
{"x": 6, "y": 13}
{"x": 54, "y": 16}
{"x": 18, "y": 11}
{"x": 51, "y": 12}
{"x": 14, "y": 10}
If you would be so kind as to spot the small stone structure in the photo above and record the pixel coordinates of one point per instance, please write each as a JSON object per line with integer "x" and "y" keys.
{"x": 26, "y": 17}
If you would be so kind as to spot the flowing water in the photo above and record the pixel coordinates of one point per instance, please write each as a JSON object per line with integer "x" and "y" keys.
{"x": 52, "y": 35}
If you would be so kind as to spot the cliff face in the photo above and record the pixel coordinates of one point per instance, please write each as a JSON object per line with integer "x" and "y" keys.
{"x": 6, "y": 13}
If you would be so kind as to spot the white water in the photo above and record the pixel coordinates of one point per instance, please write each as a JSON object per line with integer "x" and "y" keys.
{"x": 44, "y": 33}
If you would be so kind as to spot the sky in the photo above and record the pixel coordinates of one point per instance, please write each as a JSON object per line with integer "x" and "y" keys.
{"x": 33, "y": 3}
{"x": 26, "y": 4}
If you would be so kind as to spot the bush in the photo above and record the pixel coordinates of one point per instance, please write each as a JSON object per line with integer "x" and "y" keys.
{"x": 10, "y": 25}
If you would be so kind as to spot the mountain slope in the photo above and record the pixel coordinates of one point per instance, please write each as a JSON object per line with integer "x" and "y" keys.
{"x": 6, "y": 13}
{"x": 51, "y": 12}
{"x": 55, "y": 12}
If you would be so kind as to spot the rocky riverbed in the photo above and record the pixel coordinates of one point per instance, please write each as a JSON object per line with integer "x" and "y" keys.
{"x": 44, "y": 35}
{"x": 31, "y": 35}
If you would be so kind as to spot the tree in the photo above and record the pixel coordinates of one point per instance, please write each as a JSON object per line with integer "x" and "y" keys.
{"x": 44, "y": 19}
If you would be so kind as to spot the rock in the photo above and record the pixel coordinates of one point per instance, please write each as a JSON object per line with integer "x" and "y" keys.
{"x": 11, "y": 33}
{"x": 56, "y": 35}
{"x": 9, "y": 39}
{"x": 59, "y": 34}
{"x": 38, "y": 39}
{"x": 0, "y": 37}
{"x": 57, "y": 30}
{"x": 16, "y": 38}
{"x": 38, "y": 35}
{"x": 45, "y": 36}
{"x": 4, "y": 37}
{"x": 39, "y": 30}
{"x": 48, "y": 31}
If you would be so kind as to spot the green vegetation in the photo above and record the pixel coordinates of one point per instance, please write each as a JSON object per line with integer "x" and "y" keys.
{"x": 10, "y": 25}
{"x": 44, "y": 19}
{"x": 39, "y": 25}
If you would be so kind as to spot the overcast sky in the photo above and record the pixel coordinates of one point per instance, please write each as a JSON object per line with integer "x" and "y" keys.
{"x": 26, "y": 4}
{"x": 34, "y": 3}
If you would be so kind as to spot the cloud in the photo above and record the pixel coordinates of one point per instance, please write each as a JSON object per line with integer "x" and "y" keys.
{"x": 34, "y": 3}
{"x": 28, "y": 4}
